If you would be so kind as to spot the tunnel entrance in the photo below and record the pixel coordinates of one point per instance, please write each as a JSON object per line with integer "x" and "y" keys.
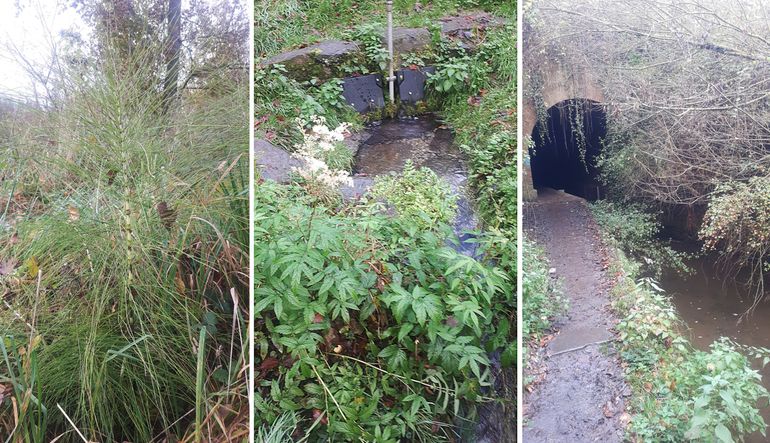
{"x": 565, "y": 149}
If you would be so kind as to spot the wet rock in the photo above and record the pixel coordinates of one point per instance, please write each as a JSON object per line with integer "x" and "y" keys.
{"x": 408, "y": 40}
{"x": 273, "y": 162}
{"x": 467, "y": 29}
{"x": 353, "y": 140}
{"x": 359, "y": 187}
{"x": 316, "y": 61}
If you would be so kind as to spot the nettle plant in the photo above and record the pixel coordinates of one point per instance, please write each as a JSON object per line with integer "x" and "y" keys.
{"x": 368, "y": 326}
{"x": 458, "y": 72}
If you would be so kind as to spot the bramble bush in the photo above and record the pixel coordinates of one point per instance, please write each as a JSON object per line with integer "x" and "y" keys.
{"x": 737, "y": 222}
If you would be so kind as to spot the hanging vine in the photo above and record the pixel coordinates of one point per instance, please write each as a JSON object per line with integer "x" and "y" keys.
{"x": 576, "y": 110}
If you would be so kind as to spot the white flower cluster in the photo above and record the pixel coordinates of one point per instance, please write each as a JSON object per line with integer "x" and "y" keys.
{"x": 318, "y": 140}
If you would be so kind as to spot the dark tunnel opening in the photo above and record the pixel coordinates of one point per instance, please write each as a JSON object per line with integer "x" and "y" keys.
{"x": 571, "y": 128}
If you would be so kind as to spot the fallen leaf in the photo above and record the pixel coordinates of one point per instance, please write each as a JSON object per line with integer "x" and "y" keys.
{"x": 318, "y": 414}
{"x": 609, "y": 410}
{"x": 7, "y": 266}
{"x": 268, "y": 364}
{"x": 179, "y": 284}
{"x": 167, "y": 215}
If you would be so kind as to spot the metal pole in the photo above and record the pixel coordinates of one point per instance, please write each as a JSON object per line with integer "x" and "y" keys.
{"x": 391, "y": 77}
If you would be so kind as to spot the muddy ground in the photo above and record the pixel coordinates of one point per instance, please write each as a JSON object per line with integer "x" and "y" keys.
{"x": 576, "y": 388}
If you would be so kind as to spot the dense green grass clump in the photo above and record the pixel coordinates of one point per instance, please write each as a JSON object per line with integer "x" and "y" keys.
{"x": 127, "y": 237}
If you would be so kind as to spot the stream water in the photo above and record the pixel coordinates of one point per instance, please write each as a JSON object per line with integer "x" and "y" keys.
{"x": 713, "y": 308}
{"x": 426, "y": 142}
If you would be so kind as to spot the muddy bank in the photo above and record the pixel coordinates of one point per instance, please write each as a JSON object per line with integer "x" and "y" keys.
{"x": 577, "y": 390}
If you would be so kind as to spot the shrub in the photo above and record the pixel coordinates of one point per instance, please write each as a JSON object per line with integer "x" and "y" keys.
{"x": 636, "y": 231}
{"x": 737, "y": 222}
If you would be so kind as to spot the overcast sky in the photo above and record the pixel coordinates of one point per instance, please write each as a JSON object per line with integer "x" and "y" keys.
{"x": 32, "y": 31}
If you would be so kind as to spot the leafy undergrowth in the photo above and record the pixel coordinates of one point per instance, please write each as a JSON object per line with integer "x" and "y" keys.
{"x": 417, "y": 195}
{"x": 637, "y": 232}
{"x": 284, "y": 24}
{"x": 123, "y": 257}
{"x": 370, "y": 327}
{"x": 482, "y": 113}
{"x": 540, "y": 297}
{"x": 681, "y": 393}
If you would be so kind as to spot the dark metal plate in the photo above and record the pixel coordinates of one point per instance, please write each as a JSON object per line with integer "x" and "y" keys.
{"x": 411, "y": 83}
{"x": 364, "y": 93}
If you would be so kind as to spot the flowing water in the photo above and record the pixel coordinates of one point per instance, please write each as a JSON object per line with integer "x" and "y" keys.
{"x": 713, "y": 308}
{"x": 426, "y": 142}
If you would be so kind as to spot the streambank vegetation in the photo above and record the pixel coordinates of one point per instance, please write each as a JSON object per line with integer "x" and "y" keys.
{"x": 685, "y": 92}
{"x": 124, "y": 231}
{"x": 370, "y": 325}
